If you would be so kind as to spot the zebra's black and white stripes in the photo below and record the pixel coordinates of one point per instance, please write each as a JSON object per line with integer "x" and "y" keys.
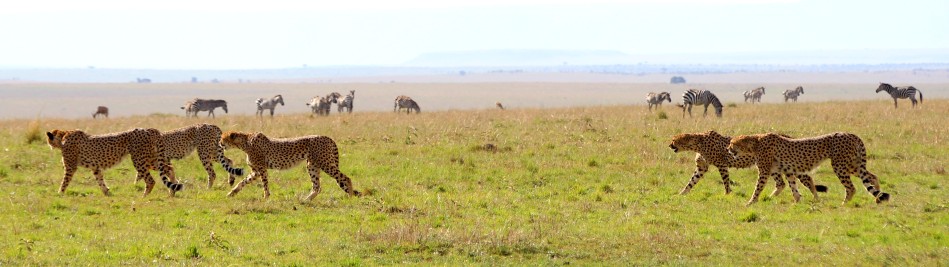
{"x": 754, "y": 95}
{"x": 347, "y": 102}
{"x": 793, "y": 94}
{"x": 192, "y": 107}
{"x": 268, "y": 104}
{"x": 694, "y": 97}
{"x": 655, "y": 99}
{"x": 901, "y": 93}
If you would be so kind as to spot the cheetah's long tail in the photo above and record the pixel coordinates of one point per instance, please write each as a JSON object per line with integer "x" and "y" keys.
{"x": 226, "y": 162}
{"x": 171, "y": 185}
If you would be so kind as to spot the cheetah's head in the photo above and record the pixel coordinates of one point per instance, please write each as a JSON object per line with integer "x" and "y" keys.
{"x": 690, "y": 141}
{"x": 744, "y": 144}
{"x": 234, "y": 139}
{"x": 55, "y": 139}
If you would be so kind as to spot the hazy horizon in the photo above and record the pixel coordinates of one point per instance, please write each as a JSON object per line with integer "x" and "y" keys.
{"x": 180, "y": 34}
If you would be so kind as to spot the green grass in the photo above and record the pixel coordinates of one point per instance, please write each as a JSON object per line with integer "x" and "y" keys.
{"x": 595, "y": 185}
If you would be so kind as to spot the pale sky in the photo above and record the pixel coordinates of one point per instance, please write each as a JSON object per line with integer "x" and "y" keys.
{"x": 195, "y": 34}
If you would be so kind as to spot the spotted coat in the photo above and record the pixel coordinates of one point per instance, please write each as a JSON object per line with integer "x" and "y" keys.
{"x": 100, "y": 152}
{"x": 778, "y": 154}
{"x": 263, "y": 153}
{"x": 205, "y": 138}
{"x": 710, "y": 150}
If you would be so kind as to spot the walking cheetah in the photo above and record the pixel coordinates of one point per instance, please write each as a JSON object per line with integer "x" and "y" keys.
{"x": 710, "y": 148}
{"x": 100, "y": 152}
{"x": 320, "y": 153}
{"x": 205, "y": 138}
{"x": 798, "y": 157}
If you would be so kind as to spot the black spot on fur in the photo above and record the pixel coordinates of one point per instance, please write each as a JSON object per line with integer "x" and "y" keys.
{"x": 821, "y": 188}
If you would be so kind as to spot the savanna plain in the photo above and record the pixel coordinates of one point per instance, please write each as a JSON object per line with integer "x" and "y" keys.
{"x": 523, "y": 186}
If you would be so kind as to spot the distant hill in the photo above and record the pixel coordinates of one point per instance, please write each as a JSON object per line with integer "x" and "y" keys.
{"x": 530, "y": 57}
{"x": 525, "y": 57}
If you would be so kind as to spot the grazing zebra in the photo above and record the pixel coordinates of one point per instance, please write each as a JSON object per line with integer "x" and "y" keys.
{"x": 655, "y": 99}
{"x": 320, "y": 105}
{"x": 407, "y": 103}
{"x": 101, "y": 110}
{"x": 268, "y": 104}
{"x": 793, "y": 94}
{"x": 694, "y": 97}
{"x": 347, "y": 102}
{"x": 901, "y": 93}
{"x": 754, "y": 95}
{"x": 192, "y": 107}
{"x": 498, "y": 104}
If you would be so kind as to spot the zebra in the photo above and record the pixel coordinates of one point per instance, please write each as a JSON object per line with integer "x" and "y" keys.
{"x": 793, "y": 94}
{"x": 270, "y": 104}
{"x": 320, "y": 105}
{"x": 347, "y": 102}
{"x": 901, "y": 92}
{"x": 407, "y": 103}
{"x": 754, "y": 95}
{"x": 654, "y": 99}
{"x": 101, "y": 110}
{"x": 700, "y": 97}
{"x": 192, "y": 107}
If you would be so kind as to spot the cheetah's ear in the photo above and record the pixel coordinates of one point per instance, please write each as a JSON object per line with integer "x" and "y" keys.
{"x": 712, "y": 132}
{"x": 50, "y": 135}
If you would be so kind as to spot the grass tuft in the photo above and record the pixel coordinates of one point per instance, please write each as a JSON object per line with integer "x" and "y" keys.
{"x": 192, "y": 252}
{"x": 750, "y": 216}
{"x": 33, "y": 133}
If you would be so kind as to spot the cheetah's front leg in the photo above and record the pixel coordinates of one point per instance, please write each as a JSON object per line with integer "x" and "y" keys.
{"x": 239, "y": 186}
{"x": 701, "y": 166}
{"x": 762, "y": 180}
{"x": 67, "y": 177}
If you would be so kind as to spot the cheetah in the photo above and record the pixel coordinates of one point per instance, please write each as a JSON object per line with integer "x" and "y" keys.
{"x": 798, "y": 157}
{"x": 263, "y": 153}
{"x": 100, "y": 152}
{"x": 181, "y": 142}
{"x": 710, "y": 150}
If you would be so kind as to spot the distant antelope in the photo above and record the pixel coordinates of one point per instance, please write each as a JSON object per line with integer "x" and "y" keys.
{"x": 498, "y": 104}
{"x": 901, "y": 93}
{"x": 268, "y": 104}
{"x": 101, "y": 110}
{"x": 793, "y": 94}
{"x": 654, "y": 99}
{"x": 407, "y": 103}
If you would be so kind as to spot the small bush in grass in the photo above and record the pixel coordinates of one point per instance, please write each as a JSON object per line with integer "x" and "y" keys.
{"x": 33, "y": 133}
{"x": 751, "y": 216}
{"x": 593, "y": 163}
{"x": 663, "y": 116}
{"x": 193, "y": 252}
{"x": 732, "y": 105}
